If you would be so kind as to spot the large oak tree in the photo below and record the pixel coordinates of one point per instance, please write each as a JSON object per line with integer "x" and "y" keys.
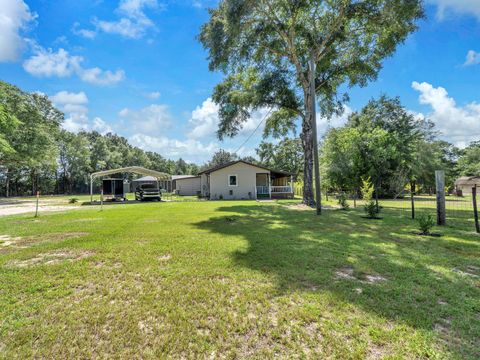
{"x": 264, "y": 48}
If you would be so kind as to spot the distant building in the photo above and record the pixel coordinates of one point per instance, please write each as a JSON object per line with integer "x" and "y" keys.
{"x": 464, "y": 185}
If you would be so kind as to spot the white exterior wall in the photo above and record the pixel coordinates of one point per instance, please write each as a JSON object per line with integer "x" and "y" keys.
{"x": 246, "y": 182}
{"x": 204, "y": 185}
{"x": 188, "y": 186}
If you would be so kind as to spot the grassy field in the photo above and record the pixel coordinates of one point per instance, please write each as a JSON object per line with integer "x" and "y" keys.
{"x": 236, "y": 279}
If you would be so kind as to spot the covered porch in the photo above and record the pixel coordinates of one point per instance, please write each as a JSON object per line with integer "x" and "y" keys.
{"x": 274, "y": 185}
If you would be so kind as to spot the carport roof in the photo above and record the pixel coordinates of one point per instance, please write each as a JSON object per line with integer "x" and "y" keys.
{"x": 133, "y": 169}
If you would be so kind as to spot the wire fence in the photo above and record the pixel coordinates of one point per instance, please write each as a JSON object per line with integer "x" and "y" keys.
{"x": 459, "y": 210}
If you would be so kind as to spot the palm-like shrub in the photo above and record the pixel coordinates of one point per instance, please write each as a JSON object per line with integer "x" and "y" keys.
{"x": 367, "y": 194}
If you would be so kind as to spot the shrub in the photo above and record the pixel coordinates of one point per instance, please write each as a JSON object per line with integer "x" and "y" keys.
{"x": 73, "y": 200}
{"x": 426, "y": 222}
{"x": 367, "y": 194}
{"x": 342, "y": 201}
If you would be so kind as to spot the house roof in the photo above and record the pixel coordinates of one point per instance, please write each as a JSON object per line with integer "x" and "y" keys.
{"x": 177, "y": 177}
{"x": 468, "y": 180}
{"x": 222, "y": 166}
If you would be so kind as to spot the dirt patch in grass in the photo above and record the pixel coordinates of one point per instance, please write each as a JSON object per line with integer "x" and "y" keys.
{"x": 55, "y": 237}
{"x": 345, "y": 273}
{"x": 374, "y": 278}
{"x": 51, "y": 258}
{"x": 469, "y": 271}
{"x": 7, "y": 240}
{"x": 348, "y": 272}
{"x": 165, "y": 257}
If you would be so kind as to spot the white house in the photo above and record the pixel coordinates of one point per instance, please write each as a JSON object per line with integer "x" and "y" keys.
{"x": 243, "y": 180}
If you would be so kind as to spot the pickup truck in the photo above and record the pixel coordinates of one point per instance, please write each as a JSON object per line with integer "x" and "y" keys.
{"x": 148, "y": 191}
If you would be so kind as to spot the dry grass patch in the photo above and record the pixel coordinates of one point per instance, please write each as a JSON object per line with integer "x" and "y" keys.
{"x": 7, "y": 241}
{"x": 348, "y": 272}
{"x": 51, "y": 258}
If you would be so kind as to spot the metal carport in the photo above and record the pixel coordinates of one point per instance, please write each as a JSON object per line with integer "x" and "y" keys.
{"x": 131, "y": 169}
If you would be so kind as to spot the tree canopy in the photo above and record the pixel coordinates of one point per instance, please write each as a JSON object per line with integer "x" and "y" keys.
{"x": 387, "y": 144}
{"x": 264, "y": 48}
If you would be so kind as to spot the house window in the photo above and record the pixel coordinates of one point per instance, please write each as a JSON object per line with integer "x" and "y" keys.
{"x": 232, "y": 180}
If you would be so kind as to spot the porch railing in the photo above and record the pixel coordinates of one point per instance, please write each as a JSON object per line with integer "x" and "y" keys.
{"x": 282, "y": 189}
{"x": 263, "y": 190}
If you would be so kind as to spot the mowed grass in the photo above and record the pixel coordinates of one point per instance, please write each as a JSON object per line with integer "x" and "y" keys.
{"x": 236, "y": 279}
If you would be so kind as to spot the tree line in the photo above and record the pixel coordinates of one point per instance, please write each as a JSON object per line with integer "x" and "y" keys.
{"x": 384, "y": 143}
{"x": 37, "y": 154}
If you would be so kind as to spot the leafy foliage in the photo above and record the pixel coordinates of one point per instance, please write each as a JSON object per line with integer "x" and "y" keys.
{"x": 426, "y": 222}
{"x": 35, "y": 153}
{"x": 287, "y": 155}
{"x": 343, "y": 201}
{"x": 386, "y": 144}
{"x": 264, "y": 49}
{"x": 370, "y": 206}
{"x": 469, "y": 160}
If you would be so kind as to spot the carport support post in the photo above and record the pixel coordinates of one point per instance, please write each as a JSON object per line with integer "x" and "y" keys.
{"x": 440, "y": 185}
{"x": 475, "y": 210}
{"x": 91, "y": 189}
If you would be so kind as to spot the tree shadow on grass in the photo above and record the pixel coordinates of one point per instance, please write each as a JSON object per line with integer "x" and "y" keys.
{"x": 428, "y": 283}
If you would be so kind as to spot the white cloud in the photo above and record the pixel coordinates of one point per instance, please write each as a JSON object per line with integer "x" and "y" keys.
{"x": 153, "y": 95}
{"x": 458, "y": 124}
{"x": 98, "y": 76}
{"x": 49, "y": 63}
{"x": 153, "y": 119}
{"x": 133, "y": 22}
{"x": 71, "y": 102}
{"x": 471, "y": 7}
{"x": 190, "y": 149}
{"x": 61, "y": 64}
{"x": 74, "y": 105}
{"x": 205, "y": 119}
{"x": 323, "y": 123}
{"x": 101, "y": 126}
{"x": 15, "y": 16}
{"x": 473, "y": 58}
{"x": 88, "y": 34}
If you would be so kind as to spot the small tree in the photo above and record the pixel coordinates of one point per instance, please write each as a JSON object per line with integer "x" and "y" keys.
{"x": 342, "y": 201}
{"x": 367, "y": 190}
{"x": 426, "y": 222}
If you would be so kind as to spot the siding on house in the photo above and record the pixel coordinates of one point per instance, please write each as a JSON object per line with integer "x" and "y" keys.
{"x": 246, "y": 181}
{"x": 188, "y": 186}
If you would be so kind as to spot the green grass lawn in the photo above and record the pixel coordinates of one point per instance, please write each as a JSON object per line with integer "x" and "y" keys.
{"x": 235, "y": 279}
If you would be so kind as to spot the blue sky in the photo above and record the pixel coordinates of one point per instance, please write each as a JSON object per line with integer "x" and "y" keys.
{"x": 135, "y": 67}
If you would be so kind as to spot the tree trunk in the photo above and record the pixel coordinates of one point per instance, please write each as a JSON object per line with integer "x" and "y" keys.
{"x": 7, "y": 185}
{"x": 307, "y": 143}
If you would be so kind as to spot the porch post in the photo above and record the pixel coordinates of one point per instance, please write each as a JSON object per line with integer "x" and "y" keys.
{"x": 291, "y": 186}
{"x": 269, "y": 186}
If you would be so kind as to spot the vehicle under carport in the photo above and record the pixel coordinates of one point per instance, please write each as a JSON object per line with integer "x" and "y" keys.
{"x": 159, "y": 176}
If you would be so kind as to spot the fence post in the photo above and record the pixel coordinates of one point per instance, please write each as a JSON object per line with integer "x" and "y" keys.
{"x": 101, "y": 200}
{"x": 475, "y": 210}
{"x": 440, "y": 187}
{"x": 412, "y": 196}
{"x": 36, "y": 206}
